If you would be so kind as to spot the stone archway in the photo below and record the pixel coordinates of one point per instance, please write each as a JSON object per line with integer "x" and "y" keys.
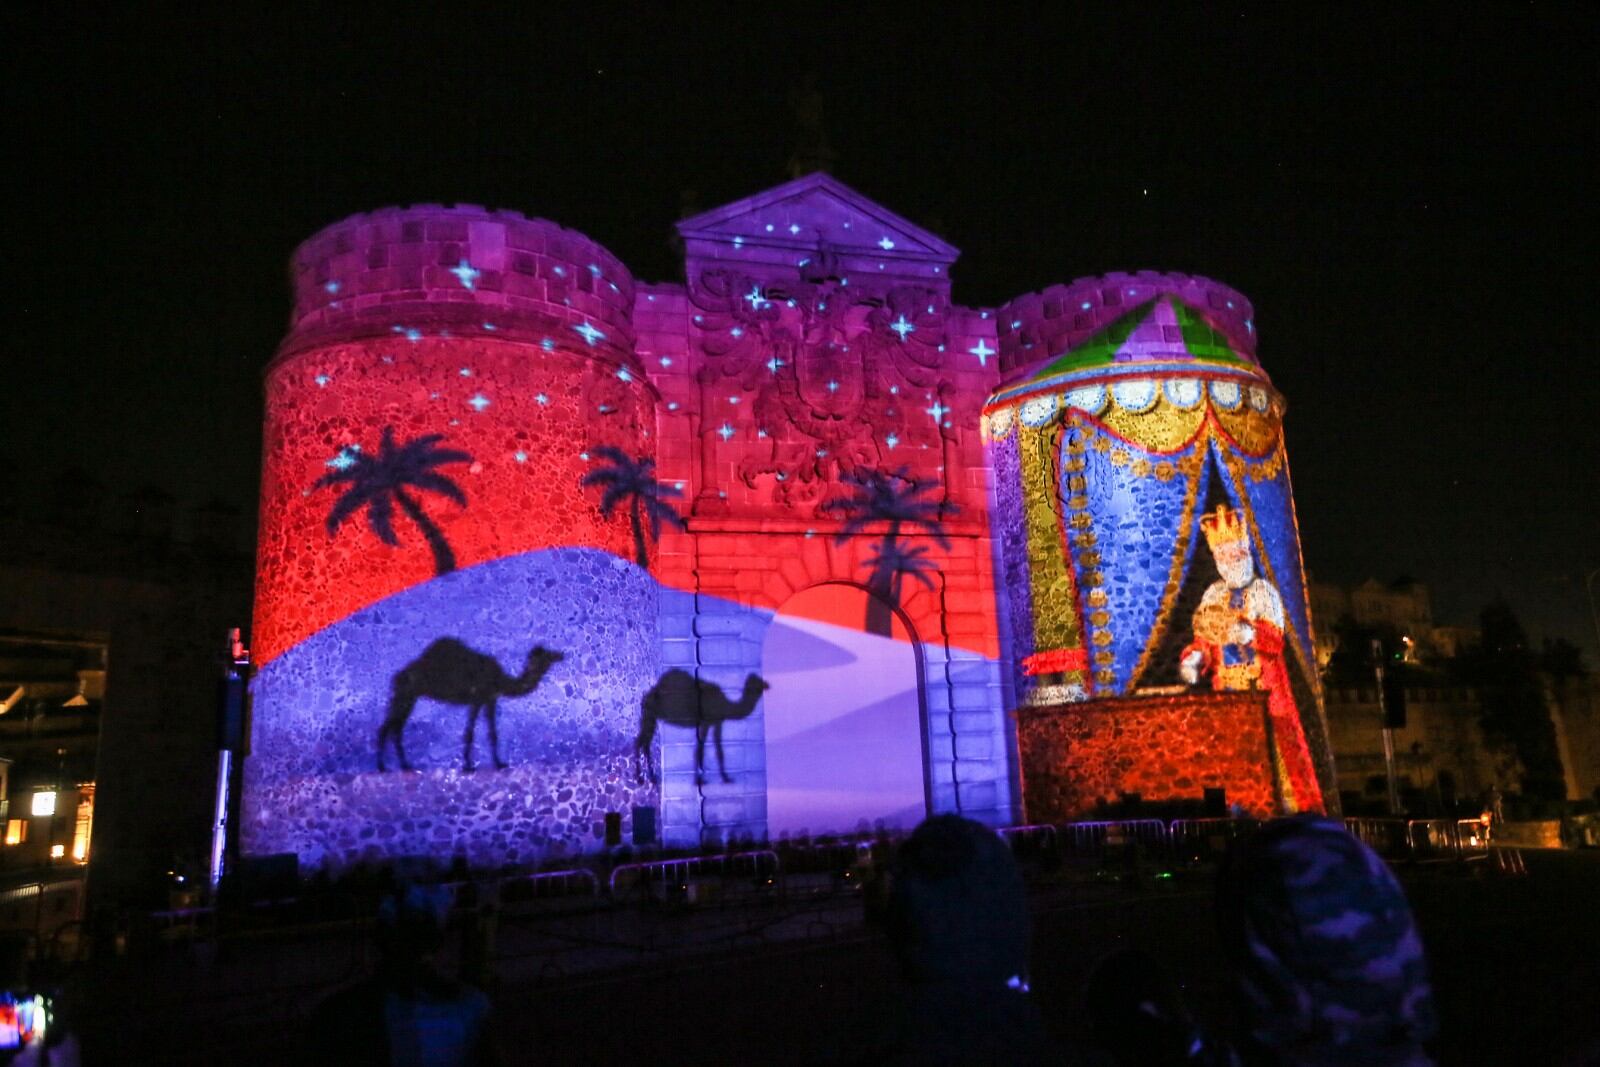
{"x": 845, "y": 723}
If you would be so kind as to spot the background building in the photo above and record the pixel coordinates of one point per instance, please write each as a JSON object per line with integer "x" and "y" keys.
{"x": 113, "y": 614}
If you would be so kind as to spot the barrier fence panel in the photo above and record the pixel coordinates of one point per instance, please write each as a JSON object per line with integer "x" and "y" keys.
{"x": 569, "y": 884}
{"x": 1432, "y": 839}
{"x": 682, "y": 875}
{"x": 1090, "y": 840}
{"x": 1472, "y": 838}
{"x": 1386, "y": 837}
{"x": 1029, "y": 840}
{"x": 1206, "y": 840}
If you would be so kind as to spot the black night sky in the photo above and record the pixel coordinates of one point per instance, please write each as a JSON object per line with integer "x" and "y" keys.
{"x": 1407, "y": 198}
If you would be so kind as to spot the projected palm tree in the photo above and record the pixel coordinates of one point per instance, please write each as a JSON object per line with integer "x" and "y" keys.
{"x": 379, "y": 482}
{"x": 634, "y": 480}
{"x": 895, "y": 498}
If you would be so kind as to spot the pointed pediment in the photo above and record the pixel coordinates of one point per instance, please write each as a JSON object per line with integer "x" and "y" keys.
{"x": 817, "y": 209}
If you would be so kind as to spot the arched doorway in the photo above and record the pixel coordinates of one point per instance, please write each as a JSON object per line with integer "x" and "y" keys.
{"x": 845, "y": 733}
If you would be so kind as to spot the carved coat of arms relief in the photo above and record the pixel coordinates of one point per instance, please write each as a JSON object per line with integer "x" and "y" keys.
{"x": 816, "y": 375}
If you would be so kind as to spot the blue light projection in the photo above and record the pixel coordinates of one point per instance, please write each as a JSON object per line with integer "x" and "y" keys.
{"x": 902, "y": 327}
{"x": 982, "y": 351}
{"x": 467, "y": 275}
{"x": 589, "y": 333}
{"x": 345, "y": 459}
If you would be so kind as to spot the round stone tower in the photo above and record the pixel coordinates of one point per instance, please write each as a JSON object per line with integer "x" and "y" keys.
{"x": 1145, "y": 518}
{"x": 450, "y": 377}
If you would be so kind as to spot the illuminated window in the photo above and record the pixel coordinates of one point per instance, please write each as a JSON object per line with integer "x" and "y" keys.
{"x": 57, "y": 851}
{"x": 84, "y": 825}
{"x": 16, "y": 831}
{"x": 44, "y": 803}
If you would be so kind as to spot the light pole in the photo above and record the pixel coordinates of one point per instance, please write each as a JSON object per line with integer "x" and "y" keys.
{"x": 1388, "y": 732}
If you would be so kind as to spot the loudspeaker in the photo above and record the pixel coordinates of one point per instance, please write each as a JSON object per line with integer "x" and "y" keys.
{"x": 644, "y": 826}
{"x": 613, "y": 829}
{"x": 1216, "y": 803}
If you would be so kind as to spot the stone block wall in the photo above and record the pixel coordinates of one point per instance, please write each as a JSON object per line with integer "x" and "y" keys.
{"x": 1050, "y": 322}
{"x": 1077, "y": 756}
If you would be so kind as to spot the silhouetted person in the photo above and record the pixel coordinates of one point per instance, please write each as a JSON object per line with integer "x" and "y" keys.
{"x": 1327, "y": 964}
{"x": 1141, "y": 1019}
{"x": 409, "y": 1012}
{"x": 957, "y": 920}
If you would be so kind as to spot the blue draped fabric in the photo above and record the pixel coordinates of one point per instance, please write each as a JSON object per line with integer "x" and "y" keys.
{"x": 1015, "y": 588}
{"x": 1137, "y": 522}
{"x": 1270, "y": 503}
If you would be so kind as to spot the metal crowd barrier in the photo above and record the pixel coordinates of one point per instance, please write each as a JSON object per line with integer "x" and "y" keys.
{"x": 1472, "y": 837}
{"x": 550, "y": 885}
{"x": 1090, "y": 839}
{"x": 1025, "y": 840}
{"x": 680, "y": 874}
{"x": 1206, "y": 839}
{"x": 1387, "y": 837}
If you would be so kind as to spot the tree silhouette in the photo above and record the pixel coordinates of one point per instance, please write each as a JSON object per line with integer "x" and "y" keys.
{"x": 634, "y": 480}
{"x": 895, "y": 498}
{"x": 1506, "y": 672}
{"x": 379, "y": 482}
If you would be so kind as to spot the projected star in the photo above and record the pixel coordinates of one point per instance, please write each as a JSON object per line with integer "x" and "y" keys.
{"x": 322, "y": 379}
{"x": 794, "y": 228}
{"x": 902, "y": 327}
{"x": 331, "y": 287}
{"x": 725, "y": 431}
{"x": 345, "y": 459}
{"x": 479, "y": 402}
{"x": 982, "y": 351}
{"x": 891, "y": 441}
{"x": 589, "y": 333}
{"x": 467, "y": 274}
{"x": 833, "y": 387}
{"x": 773, "y": 364}
{"x": 885, "y": 244}
{"x": 623, "y": 375}
{"x": 520, "y": 457}
{"x": 938, "y": 411}
{"x": 757, "y": 301}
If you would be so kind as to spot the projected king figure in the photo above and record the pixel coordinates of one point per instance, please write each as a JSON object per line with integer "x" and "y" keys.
{"x": 1239, "y": 641}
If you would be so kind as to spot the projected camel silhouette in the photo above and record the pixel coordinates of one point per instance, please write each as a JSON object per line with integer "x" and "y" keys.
{"x": 681, "y": 699}
{"x": 450, "y": 672}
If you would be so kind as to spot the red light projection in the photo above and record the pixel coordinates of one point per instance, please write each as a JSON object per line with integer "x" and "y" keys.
{"x": 525, "y": 418}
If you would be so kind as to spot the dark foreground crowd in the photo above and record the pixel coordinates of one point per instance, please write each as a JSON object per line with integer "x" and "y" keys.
{"x": 1325, "y": 962}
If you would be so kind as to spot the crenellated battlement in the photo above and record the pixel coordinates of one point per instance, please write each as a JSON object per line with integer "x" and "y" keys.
{"x": 437, "y": 268}
{"x": 1054, "y": 320}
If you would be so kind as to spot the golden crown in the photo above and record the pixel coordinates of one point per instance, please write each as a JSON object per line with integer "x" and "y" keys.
{"x": 1222, "y": 527}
